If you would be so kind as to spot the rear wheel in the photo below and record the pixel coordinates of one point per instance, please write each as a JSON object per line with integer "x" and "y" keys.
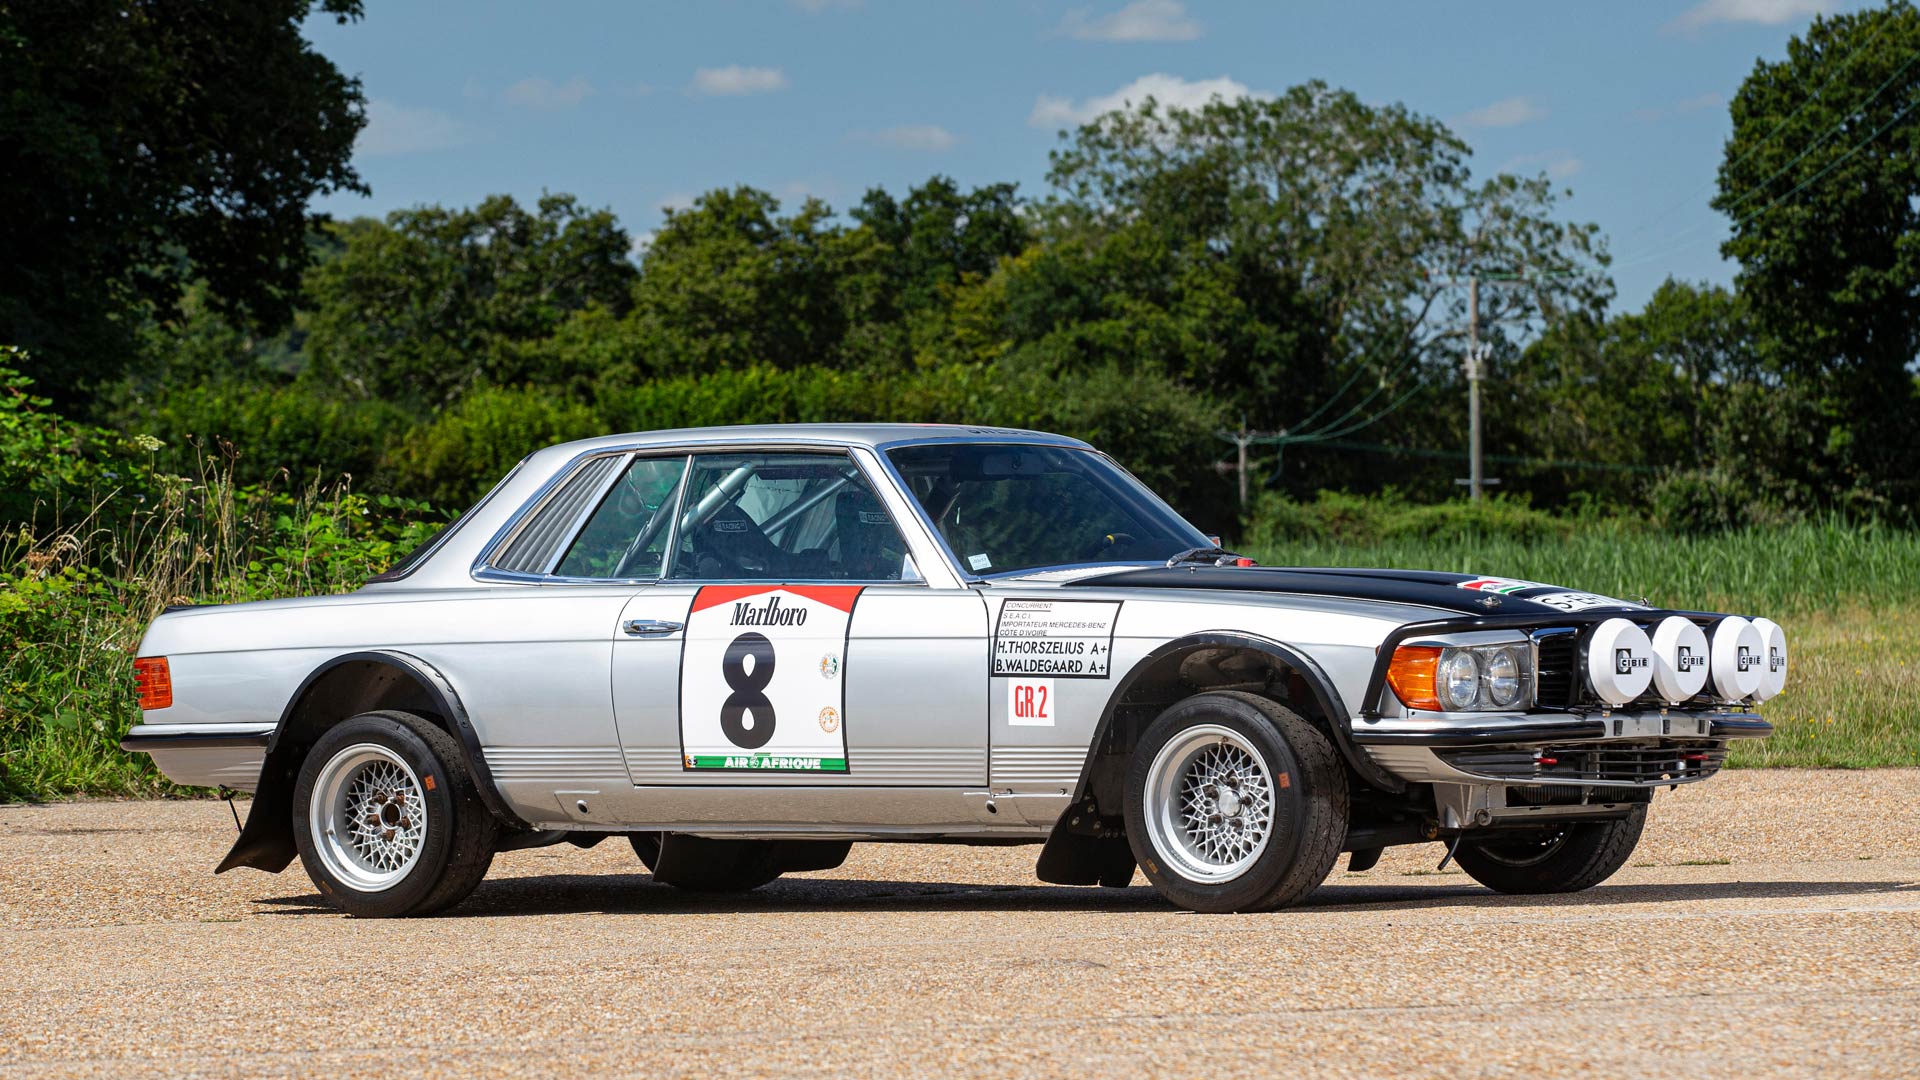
{"x": 697, "y": 864}
{"x": 387, "y": 820}
{"x": 1569, "y": 858}
{"x": 1234, "y": 803}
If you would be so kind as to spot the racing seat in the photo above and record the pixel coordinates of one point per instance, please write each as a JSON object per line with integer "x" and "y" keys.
{"x": 865, "y": 534}
{"x": 732, "y": 545}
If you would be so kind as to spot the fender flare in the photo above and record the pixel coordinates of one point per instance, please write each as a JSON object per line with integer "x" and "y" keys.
{"x": 1326, "y": 696}
{"x": 266, "y": 842}
{"x": 1081, "y": 850}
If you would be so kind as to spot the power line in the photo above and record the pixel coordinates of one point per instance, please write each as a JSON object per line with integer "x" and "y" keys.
{"x": 1802, "y": 186}
{"x": 1771, "y": 135}
{"x": 1821, "y": 140}
{"x": 1503, "y": 459}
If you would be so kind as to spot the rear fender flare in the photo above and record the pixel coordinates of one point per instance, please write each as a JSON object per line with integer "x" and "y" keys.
{"x": 388, "y": 679}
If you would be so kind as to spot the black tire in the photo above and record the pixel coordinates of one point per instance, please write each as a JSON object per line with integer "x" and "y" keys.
{"x": 456, "y": 845}
{"x": 1577, "y": 856}
{"x": 1307, "y": 784}
{"x": 697, "y": 864}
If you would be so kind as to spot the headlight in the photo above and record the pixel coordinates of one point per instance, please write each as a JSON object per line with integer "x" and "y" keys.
{"x": 1459, "y": 680}
{"x": 1503, "y": 676}
{"x": 1463, "y": 678}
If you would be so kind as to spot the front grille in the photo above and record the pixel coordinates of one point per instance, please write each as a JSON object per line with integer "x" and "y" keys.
{"x": 1639, "y": 766}
{"x": 1555, "y": 677}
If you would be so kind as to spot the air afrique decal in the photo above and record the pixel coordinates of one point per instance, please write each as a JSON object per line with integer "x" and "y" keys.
{"x": 752, "y": 698}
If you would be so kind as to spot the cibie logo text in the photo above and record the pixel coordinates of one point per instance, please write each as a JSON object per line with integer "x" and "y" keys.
{"x": 1624, "y": 661}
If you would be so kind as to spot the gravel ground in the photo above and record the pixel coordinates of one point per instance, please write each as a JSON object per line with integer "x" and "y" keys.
{"x": 1767, "y": 926}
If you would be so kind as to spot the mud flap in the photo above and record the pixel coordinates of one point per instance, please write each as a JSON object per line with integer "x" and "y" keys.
{"x": 266, "y": 841}
{"x": 1073, "y": 859}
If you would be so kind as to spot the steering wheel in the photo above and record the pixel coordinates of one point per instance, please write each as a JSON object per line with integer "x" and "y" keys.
{"x": 1107, "y": 543}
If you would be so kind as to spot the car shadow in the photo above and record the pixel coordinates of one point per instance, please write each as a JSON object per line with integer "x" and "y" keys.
{"x": 638, "y": 894}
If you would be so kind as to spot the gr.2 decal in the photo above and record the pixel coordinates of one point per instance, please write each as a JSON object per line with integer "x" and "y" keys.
{"x": 761, "y": 686}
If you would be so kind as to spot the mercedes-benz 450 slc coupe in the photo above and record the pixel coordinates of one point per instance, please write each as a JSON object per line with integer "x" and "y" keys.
{"x": 745, "y": 649}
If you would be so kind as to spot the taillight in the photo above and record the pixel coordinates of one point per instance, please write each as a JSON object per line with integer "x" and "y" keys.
{"x": 1411, "y": 674}
{"x": 153, "y": 682}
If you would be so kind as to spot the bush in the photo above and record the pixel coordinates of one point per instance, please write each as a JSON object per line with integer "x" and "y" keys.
{"x": 1334, "y": 517}
{"x": 271, "y": 434}
{"x": 455, "y": 458}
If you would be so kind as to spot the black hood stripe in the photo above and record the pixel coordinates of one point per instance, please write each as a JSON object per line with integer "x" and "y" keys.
{"x": 1422, "y": 588}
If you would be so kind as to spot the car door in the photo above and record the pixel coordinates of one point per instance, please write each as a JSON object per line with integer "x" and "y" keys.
{"x": 793, "y": 647}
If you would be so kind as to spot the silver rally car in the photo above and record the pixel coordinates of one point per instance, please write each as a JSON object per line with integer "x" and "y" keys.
{"x": 747, "y": 648}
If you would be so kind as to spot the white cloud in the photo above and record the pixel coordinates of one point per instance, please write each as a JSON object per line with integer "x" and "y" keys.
{"x": 641, "y": 243}
{"x": 931, "y": 137}
{"x": 1505, "y": 113}
{"x": 1769, "y": 12}
{"x": 1169, "y": 90}
{"x": 1557, "y": 164}
{"x": 1654, "y": 113}
{"x": 539, "y": 93}
{"x": 400, "y": 129}
{"x": 734, "y": 79}
{"x": 1142, "y": 20}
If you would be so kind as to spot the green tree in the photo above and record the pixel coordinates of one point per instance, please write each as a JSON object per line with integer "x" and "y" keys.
{"x": 151, "y": 143}
{"x": 730, "y": 283}
{"x": 421, "y": 307}
{"x": 1299, "y": 259}
{"x": 1684, "y": 398}
{"x": 1822, "y": 180}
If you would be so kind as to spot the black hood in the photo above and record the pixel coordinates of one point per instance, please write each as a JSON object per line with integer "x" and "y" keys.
{"x": 1463, "y": 593}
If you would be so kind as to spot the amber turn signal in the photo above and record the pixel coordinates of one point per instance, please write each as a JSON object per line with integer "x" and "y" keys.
{"x": 153, "y": 682}
{"x": 1411, "y": 674}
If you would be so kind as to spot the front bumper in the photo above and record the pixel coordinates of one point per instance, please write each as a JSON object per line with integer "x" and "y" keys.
{"x": 1600, "y": 750}
{"x": 204, "y": 755}
{"x": 1497, "y": 729}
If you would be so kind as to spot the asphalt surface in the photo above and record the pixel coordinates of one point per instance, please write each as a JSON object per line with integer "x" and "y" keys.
{"x": 1767, "y": 926}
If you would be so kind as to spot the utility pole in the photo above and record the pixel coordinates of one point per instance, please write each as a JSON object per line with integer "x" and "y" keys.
{"x": 1474, "y": 361}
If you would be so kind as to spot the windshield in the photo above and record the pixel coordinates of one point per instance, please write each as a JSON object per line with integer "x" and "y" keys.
{"x": 1003, "y": 508}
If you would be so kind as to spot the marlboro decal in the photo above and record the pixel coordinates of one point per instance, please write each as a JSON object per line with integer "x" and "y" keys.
{"x": 762, "y": 686}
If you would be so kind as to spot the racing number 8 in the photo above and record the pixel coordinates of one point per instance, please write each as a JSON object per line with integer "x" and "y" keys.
{"x": 747, "y": 715}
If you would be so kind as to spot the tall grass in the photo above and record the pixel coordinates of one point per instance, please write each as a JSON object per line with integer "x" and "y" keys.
{"x": 75, "y": 600}
{"x": 1786, "y": 570}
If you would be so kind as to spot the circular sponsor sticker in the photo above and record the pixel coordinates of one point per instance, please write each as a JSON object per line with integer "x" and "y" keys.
{"x": 830, "y": 667}
{"x": 829, "y": 720}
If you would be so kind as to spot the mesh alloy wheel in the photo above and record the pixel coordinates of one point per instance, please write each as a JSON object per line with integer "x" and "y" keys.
{"x": 368, "y": 817}
{"x": 1211, "y": 806}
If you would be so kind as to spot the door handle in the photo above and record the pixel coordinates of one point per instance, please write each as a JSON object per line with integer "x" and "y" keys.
{"x": 651, "y": 627}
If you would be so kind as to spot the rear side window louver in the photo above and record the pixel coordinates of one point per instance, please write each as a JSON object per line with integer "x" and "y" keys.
{"x": 534, "y": 548}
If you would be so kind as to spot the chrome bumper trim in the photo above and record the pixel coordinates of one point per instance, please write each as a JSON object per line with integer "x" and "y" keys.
{"x": 1457, "y": 731}
{"x": 146, "y": 738}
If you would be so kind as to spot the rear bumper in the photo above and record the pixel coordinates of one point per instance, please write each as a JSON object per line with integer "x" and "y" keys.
{"x": 204, "y": 755}
{"x": 1515, "y": 729}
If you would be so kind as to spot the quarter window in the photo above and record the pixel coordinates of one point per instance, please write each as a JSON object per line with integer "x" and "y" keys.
{"x": 628, "y": 535}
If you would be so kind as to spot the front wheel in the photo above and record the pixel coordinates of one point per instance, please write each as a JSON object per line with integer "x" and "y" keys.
{"x": 387, "y": 820}
{"x": 1234, "y": 803}
{"x": 1562, "y": 859}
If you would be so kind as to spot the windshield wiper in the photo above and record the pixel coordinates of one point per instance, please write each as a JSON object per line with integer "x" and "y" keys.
{"x": 1210, "y": 556}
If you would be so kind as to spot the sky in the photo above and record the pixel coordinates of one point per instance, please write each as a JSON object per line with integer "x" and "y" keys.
{"x": 638, "y": 107}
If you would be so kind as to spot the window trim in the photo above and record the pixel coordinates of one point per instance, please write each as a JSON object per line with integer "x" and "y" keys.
{"x": 967, "y": 575}
{"x": 483, "y": 570}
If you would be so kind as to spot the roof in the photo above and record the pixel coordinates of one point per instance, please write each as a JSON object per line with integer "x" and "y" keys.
{"x": 868, "y": 435}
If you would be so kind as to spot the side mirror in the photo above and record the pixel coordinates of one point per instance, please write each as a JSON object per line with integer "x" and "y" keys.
{"x": 1214, "y": 539}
